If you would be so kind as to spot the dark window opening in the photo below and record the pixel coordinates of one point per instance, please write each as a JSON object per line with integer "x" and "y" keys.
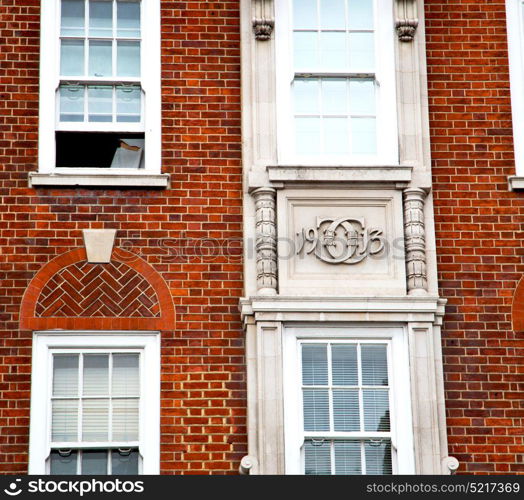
{"x": 99, "y": 150}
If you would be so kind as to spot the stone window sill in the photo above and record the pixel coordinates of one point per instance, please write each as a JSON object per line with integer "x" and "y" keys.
{"x": 516, "y": 183}
{"x": 120, "y": 180}
{"x": 314, "y": 174}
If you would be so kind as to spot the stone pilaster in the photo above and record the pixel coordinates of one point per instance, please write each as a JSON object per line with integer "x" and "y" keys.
{"x": 415, "y": 236}
{"x": 266, "y": 240}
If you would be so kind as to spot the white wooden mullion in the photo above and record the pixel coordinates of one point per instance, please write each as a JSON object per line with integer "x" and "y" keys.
{"x": 360, "y": 395}
{"x": 361, "y": 408}
{"x": 113, "y": 104}
{"x": 347, "y": 435}
{"x": 85, "y": 90}
{"x": 86, "y": 38}
{"x": 110, "y": 399}
{"x": 332, "y": 457}
{"x": 80, "y": 396}
{"x": 363, "y": 457}
{"x": 114, "y": 44}
{"x": 95, "y": 445}
{"x": 349, "y": 115}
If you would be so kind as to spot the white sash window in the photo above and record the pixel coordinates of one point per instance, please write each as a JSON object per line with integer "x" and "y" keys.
{"x": 95, "y": 404}
{"x": 336, "y": 90}
{"x": 100, "y": 87}
{"x": 347, "y": 402}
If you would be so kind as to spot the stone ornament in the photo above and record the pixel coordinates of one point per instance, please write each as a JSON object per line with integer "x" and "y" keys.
{"x": 407, "y": 21}
{"x": 415, "y": 235}
{"x": 263, "y": 20}
{"x": 406, "y": 29}
{"x": 263, "y": 28}
{"x": 342, "y": 240}
{"x": 99, "y": 245}
{"x": 266, "y": 240}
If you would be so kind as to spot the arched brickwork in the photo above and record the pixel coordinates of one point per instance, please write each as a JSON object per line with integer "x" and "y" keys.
{"x": 517, "y": 309}
{"x": 69, "y": 293}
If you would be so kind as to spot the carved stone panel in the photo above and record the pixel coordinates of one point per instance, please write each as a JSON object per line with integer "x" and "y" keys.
{"x": 341, "y": 243}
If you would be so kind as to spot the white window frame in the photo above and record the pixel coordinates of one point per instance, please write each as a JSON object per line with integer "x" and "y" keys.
{"x": 149, "y": 80}
{"x": 515, "y": 28}
{"x": 387, "y": 126}
{"x": 45, "y": 343}
{"x": 400, "y": 400}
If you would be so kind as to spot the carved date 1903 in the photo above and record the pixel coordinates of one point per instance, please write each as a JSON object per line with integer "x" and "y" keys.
{"x": 342, "y": 240}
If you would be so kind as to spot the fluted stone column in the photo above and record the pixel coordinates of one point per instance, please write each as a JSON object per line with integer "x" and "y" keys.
{"x": 415, "y": 235}
{"x": 266, "y": 240}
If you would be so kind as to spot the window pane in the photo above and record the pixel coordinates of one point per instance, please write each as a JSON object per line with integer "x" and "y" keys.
{"x": 72, "y": 58}
{"x": 346, "y": 415}
{"x": 64, "y": 426}
{"x": 128, "y": 19}
{"x": 128, "y": 59}
{"x": 125, "y": 420}
{"x": 101, "y": 18}
{"x": 128, "y": 104}
{"x": 71, "y": 103}
{"x": 376, "y": 410}
{"x": 348, "y": 458}
{"x": 124, "y": 463}
{"x": 345, "y": 366}
{"x": 94, "y": 462}
{"x": 305, "y": 50}
{"x": 95, "y": 424}
{"x": 305, "y": 14}
{"x": 305, "y": 92}
{"x": 374, "y": 365}
{"x": 72, "y": 18}
{"x": 100, "y": 104}
{"x": 362, "y": 52}
{"x": 334, "y": 96}
{"x": 378, "y": 457}
{"x": 363, "y": 135}
{"x": 362, "y": 94}
{"x": 336, "y": 135}
{"x": 332, "y": 14}
{"x": 308, "y": 136}
{"x": 65, "y": 375}
{"x": 125, "y": 375}
{"x": 333, "y": 54}
{"x": 100, "y": 58}
{"x": 361, "y": 14}
{"x": 314, "y": 364}
{"x": 63, "y": 465}
{"x": 316, "y": 410}
{"x": 96, "y": 375}
{"x": 317, "y": 456}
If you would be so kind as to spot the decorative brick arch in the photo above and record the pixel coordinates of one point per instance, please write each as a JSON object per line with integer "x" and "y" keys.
{"x": 69, "y": 293}
{"x": 517, "y": 308}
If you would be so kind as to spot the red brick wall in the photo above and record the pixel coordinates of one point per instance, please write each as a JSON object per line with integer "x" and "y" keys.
{"x": 479, "y": 232}
{"x": 203, "y": 375}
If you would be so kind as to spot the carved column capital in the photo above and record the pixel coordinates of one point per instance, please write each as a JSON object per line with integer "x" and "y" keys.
{"x": 263, "y": 19}
{"x": 266, "y": 240}
{"x": 415, "y": 236}
{"x": 407, "y": 21}
{"x": 406, "y": 29}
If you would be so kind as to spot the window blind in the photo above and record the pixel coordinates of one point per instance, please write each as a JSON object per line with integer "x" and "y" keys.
{"x": 95, "y": 398}
{"x": 345, "y": 390}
